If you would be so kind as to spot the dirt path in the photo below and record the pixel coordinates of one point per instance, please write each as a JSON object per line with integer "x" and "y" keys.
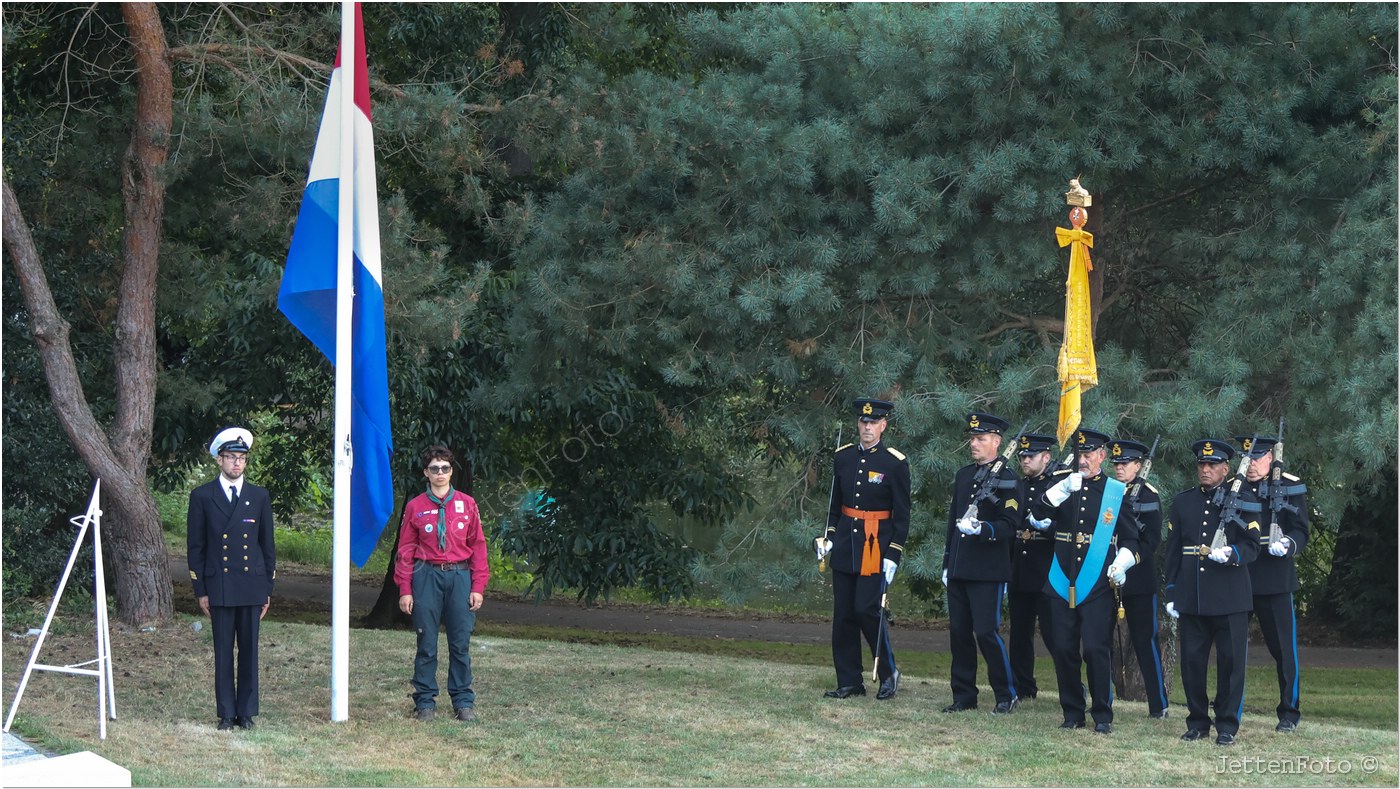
{"x": 312, "y": 592}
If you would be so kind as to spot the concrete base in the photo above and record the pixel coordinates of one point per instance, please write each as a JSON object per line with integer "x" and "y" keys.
{"x": 84, "y": 768}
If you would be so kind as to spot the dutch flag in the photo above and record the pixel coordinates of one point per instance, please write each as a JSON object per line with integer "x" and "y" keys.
{"x": 308, "y": 297}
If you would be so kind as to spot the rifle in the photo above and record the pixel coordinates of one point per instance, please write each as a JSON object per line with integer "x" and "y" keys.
{"x": 1065, "y": 463}
{"x": 1229, "y": 501}
{"x": 1277, "y": 502}
{"x": 986, "y": 477}
{"x": 1142, "y": 478}
{"x": 830, "y": 497}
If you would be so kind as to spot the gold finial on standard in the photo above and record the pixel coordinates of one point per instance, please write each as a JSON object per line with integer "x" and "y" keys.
{"x": 1078, "y": 195}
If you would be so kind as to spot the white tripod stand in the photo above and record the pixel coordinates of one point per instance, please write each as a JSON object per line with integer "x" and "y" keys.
{"x": 106, "y": 700}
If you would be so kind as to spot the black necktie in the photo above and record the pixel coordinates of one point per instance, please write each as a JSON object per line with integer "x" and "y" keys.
{"x": 232, "y": 493}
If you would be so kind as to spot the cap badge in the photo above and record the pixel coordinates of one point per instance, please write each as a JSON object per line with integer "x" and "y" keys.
{"x": 1248, "y": 444}
{"x": 1081, "y": 437}
{"x": 1025, "y": 443}
{"x": 867, "y": 409}
{"x": 1207, "y": 449}
{"x": 1117, "y": 450}
{"x": 973, "y": 421}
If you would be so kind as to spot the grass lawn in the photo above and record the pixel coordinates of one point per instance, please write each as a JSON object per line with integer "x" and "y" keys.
{"x": 576, "y": 708}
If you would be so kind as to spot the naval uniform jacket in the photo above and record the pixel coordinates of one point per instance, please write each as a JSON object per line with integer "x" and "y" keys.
{"x": 1030, "y": 559}
{"x": 985, "y": 556}
{"x": 1142, "y": 577}
{"x": 874, "y": 480}
{"x": 1073, "y": 527}
{"x": 1196, "y": 583}
{"x": 230, "y": 545}
{"x": 1271, "y": 574}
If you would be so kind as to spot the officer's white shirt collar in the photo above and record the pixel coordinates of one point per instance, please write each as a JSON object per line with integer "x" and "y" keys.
{"x": 237, "y": 484}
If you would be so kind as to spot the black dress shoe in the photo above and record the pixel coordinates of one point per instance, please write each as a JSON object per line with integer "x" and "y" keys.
{"x": 1160, "y": 714}
{"x": 225, "y": 724}
{"x": 1192, "y": 735}
{"x": 1072, "y": 725}
{"x": 1006, "y": 707}
{"x": 889, "y": 687}
{"x": 246, "y": 723}
{"x": 1225, "y": 739}
{"x": 846, "y": 692}
{"x": 958, "y": 706}
{"x": 1286, "y": 726}
{"x": 1103, "y": 728}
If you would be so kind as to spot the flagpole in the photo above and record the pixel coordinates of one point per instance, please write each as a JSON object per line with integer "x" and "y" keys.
{"x": 343, "y": 451}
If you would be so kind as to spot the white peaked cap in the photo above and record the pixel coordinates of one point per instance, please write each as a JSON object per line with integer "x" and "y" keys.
{"x": 229, "y": 435}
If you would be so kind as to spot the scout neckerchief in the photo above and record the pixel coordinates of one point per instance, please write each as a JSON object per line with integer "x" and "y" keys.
{"x": 442, "y": 514}
{"x": 1098, "y": 547}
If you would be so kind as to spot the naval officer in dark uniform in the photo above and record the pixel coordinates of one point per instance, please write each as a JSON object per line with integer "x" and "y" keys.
{"x": 977, "y": 565}
{"x": 1274, "y": 575}
{"x": 1139, "y": 593}
{"x": 1096, "y": 540}
{"x": 864, "y": 541}
{"x": 1030, "y": 566}
{"x": 233, "y": 565}
{"x": 1209, "y": 590}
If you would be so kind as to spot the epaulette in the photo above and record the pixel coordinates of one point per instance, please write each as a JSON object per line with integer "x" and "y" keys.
{"x": 846, "y": 446}
{"x": 1148, "y": 485}
{"x": 896, "y": 453}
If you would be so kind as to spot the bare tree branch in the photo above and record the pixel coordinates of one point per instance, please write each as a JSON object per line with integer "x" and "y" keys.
{"x": 227, "y": 54}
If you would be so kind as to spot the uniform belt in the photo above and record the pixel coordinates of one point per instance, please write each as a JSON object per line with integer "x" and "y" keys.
{"x": 866, "y": 515}
{"x": 1196, "y": 550}
{"x": 1031, "y": 535}
{"x": 870, "y": 546}
{"x": 448, "y": 565}
{"x": 1078, "y": 538}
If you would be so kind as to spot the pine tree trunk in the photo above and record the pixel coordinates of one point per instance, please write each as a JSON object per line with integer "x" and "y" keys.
{"x": 386, "y": 613}
{"x": 118, "y": 455}
{"x": 134, "y": 552}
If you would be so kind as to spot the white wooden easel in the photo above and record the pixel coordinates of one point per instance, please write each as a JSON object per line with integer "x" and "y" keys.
{"x": 106, "y": 699}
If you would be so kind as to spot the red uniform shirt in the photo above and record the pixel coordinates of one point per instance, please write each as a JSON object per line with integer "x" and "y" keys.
{"x": 418, "y": 539}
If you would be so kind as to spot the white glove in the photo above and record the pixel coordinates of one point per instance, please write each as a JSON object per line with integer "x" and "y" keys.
{"x": 1171, "y": 611}
{"x": 1221, "y": 555}
{"x": 1118, "y": 571}
{"x": 1060, "y": 491}
{"x": 1280, "y": 548}
{"x": 1038, "y": 525}
{"x": 889, "y": 567}
{"x": 822, "y": 546}
{"x": 945, "y": 579}
{"x": 969, "y": 526}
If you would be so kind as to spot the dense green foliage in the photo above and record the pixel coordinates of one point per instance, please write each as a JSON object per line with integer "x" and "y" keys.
{"x": 640, "y": 257}
{"x": 862, "y": 201}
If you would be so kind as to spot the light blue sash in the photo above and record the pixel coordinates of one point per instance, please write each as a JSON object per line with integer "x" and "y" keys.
{"x": 1098, "y": 547}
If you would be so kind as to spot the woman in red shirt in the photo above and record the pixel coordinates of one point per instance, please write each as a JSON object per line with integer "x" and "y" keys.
{"x": 441, "y": 573}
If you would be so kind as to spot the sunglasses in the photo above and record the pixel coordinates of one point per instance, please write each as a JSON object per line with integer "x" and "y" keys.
{"x": 440, "y": 469}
